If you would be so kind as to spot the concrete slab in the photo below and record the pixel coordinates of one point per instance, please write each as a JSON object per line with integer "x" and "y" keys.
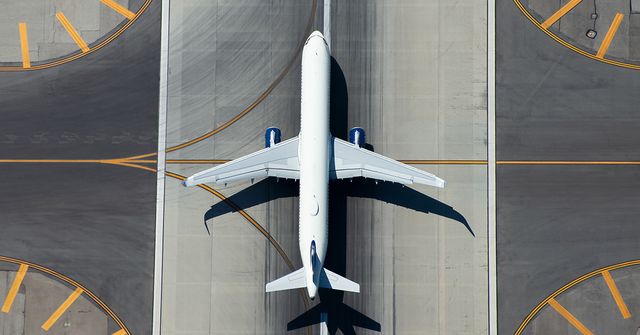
{"x": 406, "y": 261}
{"x": 222, "y": 57}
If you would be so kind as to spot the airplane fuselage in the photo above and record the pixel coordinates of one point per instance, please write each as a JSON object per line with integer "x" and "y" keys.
{"x": 314, "y": 157}
{"x": 314, "y": 154}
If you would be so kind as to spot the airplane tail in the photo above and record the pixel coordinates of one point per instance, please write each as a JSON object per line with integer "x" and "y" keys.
{"x": 328, "y": 279}
{"x": 291, "y": 281}
{"x": 334, "y": 281}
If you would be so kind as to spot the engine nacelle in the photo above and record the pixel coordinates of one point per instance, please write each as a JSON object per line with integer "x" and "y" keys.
{"x": 357, "y": 136}
{"x": 272, "y": 137}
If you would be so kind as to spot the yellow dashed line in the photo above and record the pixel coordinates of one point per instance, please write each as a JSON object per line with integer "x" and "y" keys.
{"x": 611, "y": 33}
{"x": 15, "y": 288}
{"x": 560, "y": 13}
{"x": 613, "y": 288}
{"x": 119, "y": 8}
{"x": 72, "y": 32}
{"x": 567, "y": 315}
{"x": 24, "y": 45}
{"x": 63, "y": 308}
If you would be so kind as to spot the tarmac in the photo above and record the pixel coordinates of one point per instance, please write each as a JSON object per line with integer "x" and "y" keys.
{"x": 89, "y": 220}
{"x": 79, "y": 175}
{"x": 556, "y": 223}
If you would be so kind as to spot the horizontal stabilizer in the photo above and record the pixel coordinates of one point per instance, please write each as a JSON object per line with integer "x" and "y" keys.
{"x": 334, "y": 281}
{"x": 291, "y": 281}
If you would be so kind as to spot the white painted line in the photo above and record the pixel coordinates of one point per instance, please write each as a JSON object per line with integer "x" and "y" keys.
{"x": 326, "y": 14}
{"x": 162, "y": 139}
{"x": 491, "y": 159}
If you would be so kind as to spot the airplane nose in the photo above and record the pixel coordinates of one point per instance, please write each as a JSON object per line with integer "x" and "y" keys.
{"x": 317, "y": 33}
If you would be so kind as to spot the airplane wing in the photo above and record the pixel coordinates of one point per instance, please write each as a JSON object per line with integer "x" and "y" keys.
{"x": 350, "y": 161}
{"x": 280, "y": 160}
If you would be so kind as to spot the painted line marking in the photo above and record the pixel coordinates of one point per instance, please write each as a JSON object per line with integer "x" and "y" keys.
{"x": 613, "y": 288}
{"x": 560, "y": 13}
{"x": 120, "y": 332}
{"x": 572, "y": 319}
{"x": 119, "y": 8}
{"x": 15, "y": 288}
{"x": 611, "y": 33}
{"x": 568, "y": 162}
{"x": 72, "y": 32}
{"x": 58, "y": 313}
{"x": 24, "y": 45}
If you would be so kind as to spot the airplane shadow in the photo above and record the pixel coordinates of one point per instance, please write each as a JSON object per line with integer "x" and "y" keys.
{"x": 339, "y": 316}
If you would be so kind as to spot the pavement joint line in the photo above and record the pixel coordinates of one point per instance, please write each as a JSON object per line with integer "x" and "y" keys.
{"x": 569, "y": 317}
{"x": 163, "y": 100}
{"x": 611, "y": 33}
{"x": 24, "y": 45}
{"x": 119, "y": 8}
{"x": 15, "y": 288}
{"x": 492, "y": 273}
{"x": 560, "y": 13}
{"x": 63, "y": 308}
{"x": 615, "y": 293}
{"x": 72, "y": 32}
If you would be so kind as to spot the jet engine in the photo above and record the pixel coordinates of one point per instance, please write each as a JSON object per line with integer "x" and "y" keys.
{"x": 357, "y": 136}
{"x": 272, "y": 137}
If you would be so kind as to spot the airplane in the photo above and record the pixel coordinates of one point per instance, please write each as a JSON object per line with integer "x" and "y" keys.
{"x": 314, "y": 158}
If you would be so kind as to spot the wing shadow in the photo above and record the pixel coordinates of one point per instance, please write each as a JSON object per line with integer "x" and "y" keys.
{"x": 402, "y": 196}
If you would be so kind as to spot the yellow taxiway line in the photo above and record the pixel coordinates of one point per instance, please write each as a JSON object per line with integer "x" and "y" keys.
{"x": 15, "y": 287}
{"x": 119, "y": 161}
{"x": 567, "y": 315}
{"x": 63, "y": 308}
{"x": 120, "y": 332}
{"x": 119, "y": 8}
{"x": 611, "y": 33}
{"x": 567, "y": 162}
{"x": 616, "y": 294}
{"x": 24, "y": 45}
{"x": 72, "y": 32}
{"x": 560, "y": 13}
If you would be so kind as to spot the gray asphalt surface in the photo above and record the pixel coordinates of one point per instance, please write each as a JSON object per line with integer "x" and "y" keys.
{"x": 99, "y": 106}
{"x": 556, "y": 223}
{"x": 554, "y": 104}
{"x": 94, "y": 223}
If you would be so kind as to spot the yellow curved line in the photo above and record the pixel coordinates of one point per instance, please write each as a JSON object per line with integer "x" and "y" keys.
{"x": 254, "y": 104}
{"x": 77, "y": 55}
{"x": 569, "y": 285}
{"x": 571, "y": 46}
{"x": 71, "y": 282}
{"x": 231, "y": 204}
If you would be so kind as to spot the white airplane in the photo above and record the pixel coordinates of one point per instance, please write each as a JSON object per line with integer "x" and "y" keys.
{"x": 314, "y": 157}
